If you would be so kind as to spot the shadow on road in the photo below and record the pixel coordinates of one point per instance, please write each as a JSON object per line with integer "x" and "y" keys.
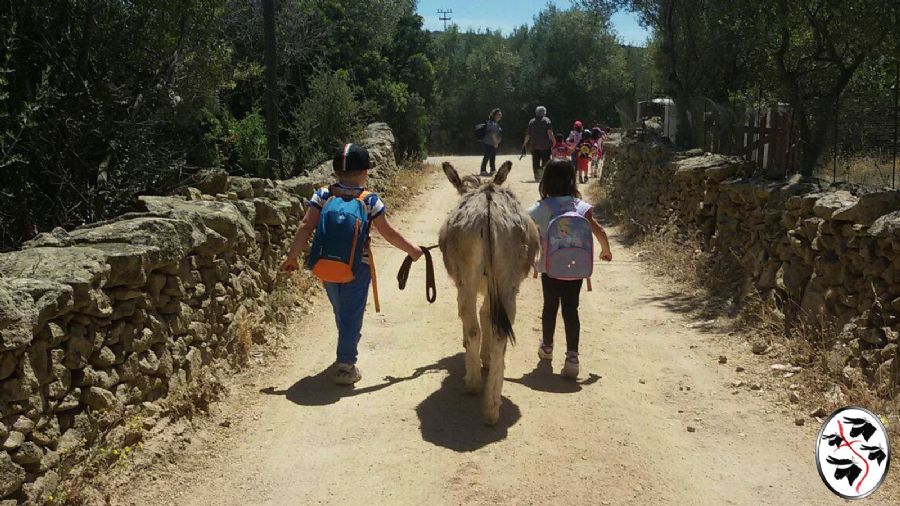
{"x": 452, "y": 419}
{"x": 542, "y": 379}
{"x": 702, "y": 305}
{"x": 320, "y": 389}
{"x": 449, "y": 417}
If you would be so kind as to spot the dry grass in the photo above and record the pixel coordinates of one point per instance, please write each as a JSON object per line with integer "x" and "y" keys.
{"x": 406, "y": 184}
{"x": 715, "y": 288}
{"x": 869, "y": 170}
{"x": 117, "y": 437}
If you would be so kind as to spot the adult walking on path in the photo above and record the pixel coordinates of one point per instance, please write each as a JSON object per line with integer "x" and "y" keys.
{"x": 539, "y": 137}
{"x": 493, "y": 134}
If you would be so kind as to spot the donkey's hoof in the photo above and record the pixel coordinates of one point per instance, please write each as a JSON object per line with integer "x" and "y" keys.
{"x": 473, "y": 386}
{"x": 491, "y": 417}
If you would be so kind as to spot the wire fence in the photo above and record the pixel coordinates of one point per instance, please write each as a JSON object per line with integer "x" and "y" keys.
{"x": 861, "y": 145}
{"x": 864, "y": 139}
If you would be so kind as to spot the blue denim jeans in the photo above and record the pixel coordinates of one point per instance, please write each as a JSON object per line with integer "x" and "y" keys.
{"x": 349, "y": 303}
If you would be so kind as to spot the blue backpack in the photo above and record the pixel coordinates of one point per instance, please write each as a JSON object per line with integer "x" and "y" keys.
{"x": 480, "y": 131}
{"x": 340, "y": 238}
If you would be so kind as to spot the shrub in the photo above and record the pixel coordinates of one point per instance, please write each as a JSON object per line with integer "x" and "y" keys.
{"x": 247, "y": 140}
{"x": 330, "y": 115}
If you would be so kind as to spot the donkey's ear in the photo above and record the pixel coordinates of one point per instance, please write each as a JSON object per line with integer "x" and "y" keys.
{"x": 453, "y": 177}
{"x": 500, "y": 178}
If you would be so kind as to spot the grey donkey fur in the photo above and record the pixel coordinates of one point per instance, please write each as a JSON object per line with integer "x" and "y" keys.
{"x": 488, "y": 244}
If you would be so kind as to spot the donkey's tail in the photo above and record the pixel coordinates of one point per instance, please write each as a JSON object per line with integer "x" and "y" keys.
{"x": 503, "y": 328}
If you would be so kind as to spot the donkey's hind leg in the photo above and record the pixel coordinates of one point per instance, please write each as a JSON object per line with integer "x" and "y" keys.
{"x": 467, "y": 298}
{"x": 493, "y": 389}
{"x": 487, "y": 333}
{"x": 494, "y": 384}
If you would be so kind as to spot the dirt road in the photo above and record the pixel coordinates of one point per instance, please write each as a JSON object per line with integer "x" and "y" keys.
{"x": 407, "y": 434}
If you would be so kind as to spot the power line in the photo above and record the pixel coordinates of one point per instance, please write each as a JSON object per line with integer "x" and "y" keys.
{"x": 444, "y": 16}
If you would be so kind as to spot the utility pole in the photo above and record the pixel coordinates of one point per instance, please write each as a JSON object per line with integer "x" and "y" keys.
{"x": 444, "y": 16}
{"x": 896, "y": 108}
{"x": 271, "y": 78}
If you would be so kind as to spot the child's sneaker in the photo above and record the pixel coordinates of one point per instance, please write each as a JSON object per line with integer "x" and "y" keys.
{"x": 570, "y": 367}
{"x": 545, "y": 351}
{"x": 347, "y": 374}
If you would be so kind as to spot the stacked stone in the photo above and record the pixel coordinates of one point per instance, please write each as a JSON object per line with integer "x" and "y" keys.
{"x": 824, "y": 255}
{"x": 119, "y": 313}
{"x": 640, "y": 183}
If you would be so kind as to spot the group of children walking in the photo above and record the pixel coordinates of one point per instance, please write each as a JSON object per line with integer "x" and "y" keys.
{"x": 585, "y": 148}
{"x": 339, "y": 219}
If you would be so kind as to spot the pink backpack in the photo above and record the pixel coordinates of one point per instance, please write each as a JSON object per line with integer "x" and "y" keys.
{"x": 569, "y": 244}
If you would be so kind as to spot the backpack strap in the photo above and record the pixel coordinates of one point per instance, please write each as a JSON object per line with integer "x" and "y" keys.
{"x": 330, "y": 190}
{"x": 555, "y": 208}
{"x": 363, "y": 195}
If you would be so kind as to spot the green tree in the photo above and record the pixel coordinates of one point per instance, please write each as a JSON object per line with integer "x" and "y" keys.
{"x": 385, "y": 56}
{"x": 104, "y": 99}
{"x": 803, "y": 52}
{"x": 568, "y": 61}
{"x": 818, "y": 48}
{"x": 408, "y": 93}
{"x": 692, "y": 36}
{"x": 475, "y": 72}
{"x": 330, "y": 115}
{"x": 577, "y": 66}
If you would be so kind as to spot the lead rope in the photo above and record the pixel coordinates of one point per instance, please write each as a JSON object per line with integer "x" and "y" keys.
{"x": 430, "y": 285}
{"x": 374, "y": 279}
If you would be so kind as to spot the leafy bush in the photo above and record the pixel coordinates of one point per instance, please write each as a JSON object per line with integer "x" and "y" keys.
{"x": 103, "y": 101}
{"x": 330, "y": 115}
{"x": 99, "y": 103}
{"x": 247, "y": 139}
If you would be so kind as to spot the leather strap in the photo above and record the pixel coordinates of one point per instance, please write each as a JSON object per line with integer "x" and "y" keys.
{"x": 430, "y": 284}
{"x": 374, "y": 279}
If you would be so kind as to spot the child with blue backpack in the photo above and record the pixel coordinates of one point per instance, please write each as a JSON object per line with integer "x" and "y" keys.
{"x": 567, "y": 227}
{"x": 341, "y": 216}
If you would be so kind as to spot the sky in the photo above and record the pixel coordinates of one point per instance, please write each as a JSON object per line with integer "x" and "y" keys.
{"x": 506, "y": 15}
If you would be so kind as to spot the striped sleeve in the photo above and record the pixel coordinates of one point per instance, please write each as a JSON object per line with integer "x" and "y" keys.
{"x": 319, "y": 198}
{"x": 376, "y": 206}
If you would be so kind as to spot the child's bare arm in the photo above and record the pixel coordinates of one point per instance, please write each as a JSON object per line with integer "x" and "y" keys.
{"x": 396, "y": 239}
{"x": 600, "y": 234}
{"x": 301, "y": 238}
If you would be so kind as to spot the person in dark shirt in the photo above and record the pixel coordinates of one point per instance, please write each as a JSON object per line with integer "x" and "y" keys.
{"x": 540, "y": 138}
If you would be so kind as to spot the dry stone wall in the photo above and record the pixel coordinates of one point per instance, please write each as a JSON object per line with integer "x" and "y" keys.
{"x": 818, "y": 253}
{"x": 115, "y": 315}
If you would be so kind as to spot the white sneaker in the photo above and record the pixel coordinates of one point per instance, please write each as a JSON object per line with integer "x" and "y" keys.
{"x": 545, "y": 352}
{"x": 570, "y": 367}
{"x": 347, "y": 374}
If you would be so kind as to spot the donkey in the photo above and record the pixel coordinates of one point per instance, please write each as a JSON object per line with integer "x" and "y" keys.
{"x": 488, "y": 244}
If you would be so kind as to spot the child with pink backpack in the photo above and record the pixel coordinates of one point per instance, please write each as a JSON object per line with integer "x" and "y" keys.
{"x": 561, "y": 149}
{"x": 567, "y": 228}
